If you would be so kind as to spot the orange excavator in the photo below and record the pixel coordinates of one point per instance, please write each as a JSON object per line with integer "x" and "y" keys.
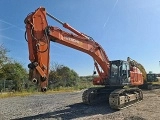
{"x": 113, "y": 76}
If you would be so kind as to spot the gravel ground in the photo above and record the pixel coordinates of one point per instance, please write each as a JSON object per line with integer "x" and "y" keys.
{"x": 64, "y": 106}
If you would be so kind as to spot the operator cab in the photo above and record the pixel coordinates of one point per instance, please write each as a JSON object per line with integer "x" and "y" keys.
{"x": 119, "y": 73}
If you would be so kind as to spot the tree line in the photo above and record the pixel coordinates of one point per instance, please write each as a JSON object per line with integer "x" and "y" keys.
{"x": 14, "y": 76}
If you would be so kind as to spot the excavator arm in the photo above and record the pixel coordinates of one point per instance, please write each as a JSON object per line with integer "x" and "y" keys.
{"x": 39, "y": 34}
{"x": 139, "y": 66}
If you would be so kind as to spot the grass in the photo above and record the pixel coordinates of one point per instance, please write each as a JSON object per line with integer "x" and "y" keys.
{"x": 33, "y": 90}
{"x": 14, "y": 94}
{"x": 62, "y": 89}
{"x": 25, "y": 93}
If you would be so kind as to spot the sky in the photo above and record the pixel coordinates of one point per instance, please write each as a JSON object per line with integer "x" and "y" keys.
{"x": 124, "y": 28}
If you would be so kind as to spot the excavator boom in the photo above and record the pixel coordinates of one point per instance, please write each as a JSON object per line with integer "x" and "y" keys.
{"x": 139, "y": 66}
{"x": 39, "y": 34}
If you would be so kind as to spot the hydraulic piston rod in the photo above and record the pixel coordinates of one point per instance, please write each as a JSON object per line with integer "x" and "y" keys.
{"x": 65, "y": 25}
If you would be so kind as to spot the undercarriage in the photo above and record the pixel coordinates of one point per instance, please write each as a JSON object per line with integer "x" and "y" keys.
{"x": 150, "y": 86}
{"x": 117, "y": 98}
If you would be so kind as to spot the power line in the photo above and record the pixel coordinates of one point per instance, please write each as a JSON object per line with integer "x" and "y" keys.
{"x": 11, "y": 25}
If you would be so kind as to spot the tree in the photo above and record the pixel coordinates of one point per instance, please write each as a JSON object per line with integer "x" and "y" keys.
{"x": 3, "y": 55}
{"x": 68, "y": 76}
{"x": 62, "y": 76}
{"x": 3, "y": 58}
{"x": 14, "y": 71}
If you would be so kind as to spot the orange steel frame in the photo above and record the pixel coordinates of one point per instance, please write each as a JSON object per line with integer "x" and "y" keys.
{"x": 39, "y": 35}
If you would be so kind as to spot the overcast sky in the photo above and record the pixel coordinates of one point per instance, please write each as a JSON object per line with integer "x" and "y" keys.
{"x": 123, "y": 28}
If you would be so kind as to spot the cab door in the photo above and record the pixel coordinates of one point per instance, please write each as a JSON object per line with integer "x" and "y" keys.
{"x": 124, "y": 72}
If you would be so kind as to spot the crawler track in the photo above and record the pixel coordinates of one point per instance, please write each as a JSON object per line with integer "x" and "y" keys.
{"x": 89, "y": 96}
{"x": 117, "y": 98}
{"x": 122, "y": 98}
{"x": 95, "y": 95}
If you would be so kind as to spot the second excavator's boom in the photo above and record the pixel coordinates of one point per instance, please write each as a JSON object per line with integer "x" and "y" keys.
{"x": 139, "y": 66}
{"x": 39, "y": 35}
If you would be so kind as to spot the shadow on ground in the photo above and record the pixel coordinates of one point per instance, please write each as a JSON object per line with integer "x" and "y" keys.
{"x": 77, "y": 110}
